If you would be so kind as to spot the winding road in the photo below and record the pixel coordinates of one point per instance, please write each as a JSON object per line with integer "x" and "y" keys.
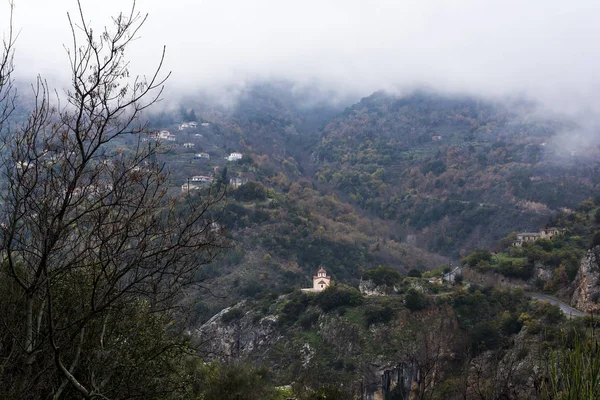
{"x": 568, "y": 310}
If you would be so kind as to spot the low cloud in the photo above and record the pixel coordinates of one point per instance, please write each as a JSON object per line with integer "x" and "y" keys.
{"x": 545, "y": 50}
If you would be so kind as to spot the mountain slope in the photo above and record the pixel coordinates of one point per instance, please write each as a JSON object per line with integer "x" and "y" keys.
{"x": 458, "y": 172}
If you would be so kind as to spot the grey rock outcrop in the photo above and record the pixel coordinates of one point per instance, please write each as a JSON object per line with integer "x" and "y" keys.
{"x": 250, "y": 333}
{"x": 381, "y": 381}
{"x": 586, "y": 293}
{"x": 369, "y": 288}
{"x": 542, "y": 272}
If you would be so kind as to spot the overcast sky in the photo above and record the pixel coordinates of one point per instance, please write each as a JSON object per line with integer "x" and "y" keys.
{"x": 547, "y": 49}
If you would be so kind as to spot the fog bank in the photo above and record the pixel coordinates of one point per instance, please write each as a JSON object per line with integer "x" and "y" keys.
{"x": 545, "y": 50}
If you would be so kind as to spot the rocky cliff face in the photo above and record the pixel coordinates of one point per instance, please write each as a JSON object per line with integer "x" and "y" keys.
{"x": 514, "y": 373}
{"x": 586, "y": 293}
{"x": 395, "y": 381}
{"x": 248, "y": 333}
{"x": 401, "y": 357}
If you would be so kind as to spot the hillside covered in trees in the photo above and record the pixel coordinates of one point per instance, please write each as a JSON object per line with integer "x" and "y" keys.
{"x": 413, "y": 182}
{"x": 154, "y": 253}
{"x": 429, "y": 173}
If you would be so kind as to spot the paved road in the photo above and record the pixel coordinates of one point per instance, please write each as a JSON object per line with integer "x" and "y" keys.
{"x": 568, "y": 310}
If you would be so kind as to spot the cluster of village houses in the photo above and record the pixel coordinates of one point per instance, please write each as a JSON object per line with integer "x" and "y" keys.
{"x": 192, "y": 124}
{"x": 168, "y": 136}
{"x": 197, "y": 181}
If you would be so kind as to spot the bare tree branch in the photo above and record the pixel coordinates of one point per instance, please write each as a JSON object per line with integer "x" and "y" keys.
{"x": 94, "y": 250}
{"x": 7, "y": 92}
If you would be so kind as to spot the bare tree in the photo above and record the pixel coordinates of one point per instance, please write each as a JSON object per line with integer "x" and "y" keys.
{"x": 95, "y": 253}
{"x": 7, "y": 94}
{"x": 430, "y": 358}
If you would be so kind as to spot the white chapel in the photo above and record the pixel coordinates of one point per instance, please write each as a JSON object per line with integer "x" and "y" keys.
{"x": 320, "y": 281}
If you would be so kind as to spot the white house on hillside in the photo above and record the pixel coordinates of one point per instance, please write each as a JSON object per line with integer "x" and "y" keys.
{"x": 202, "y": 178}
{"x": 234, "y": 157}
{"x": 237, "y": 182}
{"x": 163, "y": 135}
{"x": 187, "y": 125}
{"x": 188, "y": 187}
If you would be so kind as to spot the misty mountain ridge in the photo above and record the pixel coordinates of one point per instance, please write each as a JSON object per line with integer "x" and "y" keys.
{"x": 447, "y": 173}
{"x": 389, "y": 185}
{"x": 410, "y": 181}
{"x": 272, "y": 120}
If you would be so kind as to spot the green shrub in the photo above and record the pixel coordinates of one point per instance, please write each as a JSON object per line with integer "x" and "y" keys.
{"x": 510, "y": 324}
{"x": 551, "y": 313}
{"x": 259, "y": 216}
{"x": 436, "y": 166}
{"x": 326, "y": 392}
{"x": 415, "y": 273}
{"x": 414, "y": 300}
{"x": 478, "y": 256}
{"x": 571, "y": 269}
{"x": 383, "y": 275}
{"x": 516, "y": 268}
{"x": 337, "y": 296}
{"x": 586, "y": 205}
{"x": 252, "y": 289}
{"x": 545, "y": 244}
{"x": 376, "y": 315}
{"x": 596, "y": 239}
{"x": 293, "y": 308}
{"x": 484, "y": 336}
{"x": 234, "y": 382}
{"x": 308, "y": 320}
{"x": 232, "y": 315}
{"x": 250, "y": 191}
